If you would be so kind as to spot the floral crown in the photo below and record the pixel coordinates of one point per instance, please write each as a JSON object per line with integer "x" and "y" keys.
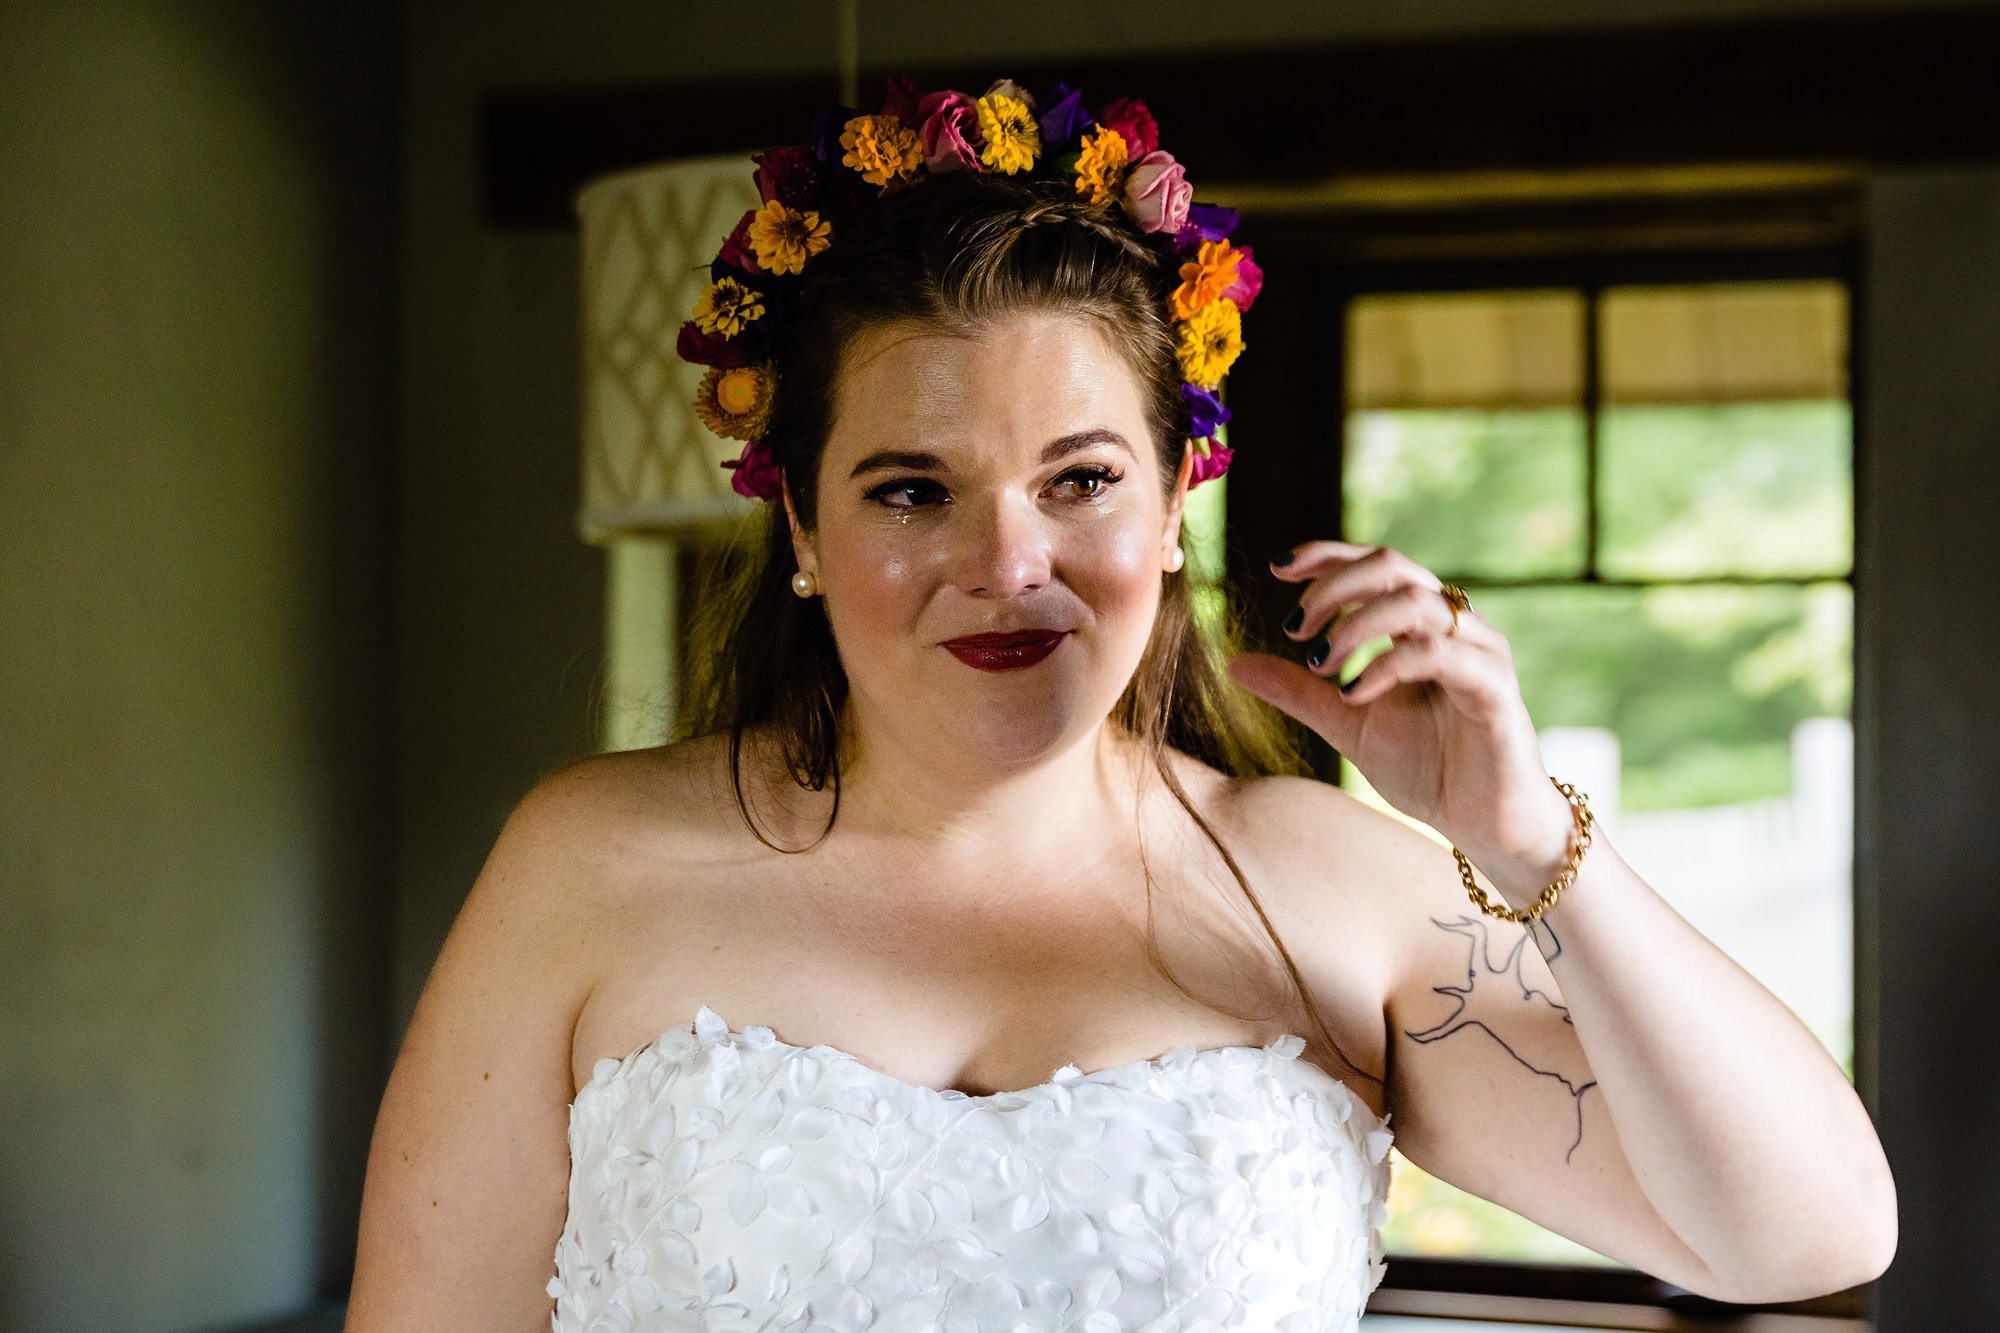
{"x": 854, "y": 160}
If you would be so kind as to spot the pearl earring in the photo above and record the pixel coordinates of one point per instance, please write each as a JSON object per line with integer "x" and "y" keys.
{"x": 1175, "y": 559}
{"x": 804, "y": 584}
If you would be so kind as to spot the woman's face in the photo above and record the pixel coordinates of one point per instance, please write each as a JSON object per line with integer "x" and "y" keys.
{"x": 991, "y": 533}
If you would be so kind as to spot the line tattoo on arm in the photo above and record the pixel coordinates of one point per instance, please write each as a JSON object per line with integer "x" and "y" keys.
{"x": 1496, "y": 998}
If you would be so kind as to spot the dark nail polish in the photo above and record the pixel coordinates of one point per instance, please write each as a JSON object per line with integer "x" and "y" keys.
{"x": 1295, "y": 620}
{"x": 1318, "y": 655}
{"x": 1282, "y": 559}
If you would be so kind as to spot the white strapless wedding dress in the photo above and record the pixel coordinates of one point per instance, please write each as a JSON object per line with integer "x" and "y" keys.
{"x": 724, "y": 1181}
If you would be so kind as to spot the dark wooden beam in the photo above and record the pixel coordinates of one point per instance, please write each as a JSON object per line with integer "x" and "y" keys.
{"x": 1867, "y": 88}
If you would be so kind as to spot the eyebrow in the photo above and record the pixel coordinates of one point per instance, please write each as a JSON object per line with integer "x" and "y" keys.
{"x": 1066, "y": 445}
{"x": 1062, "y": 447}
{"x": 899, "y": 460}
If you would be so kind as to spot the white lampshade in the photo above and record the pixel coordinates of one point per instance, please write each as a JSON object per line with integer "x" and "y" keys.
{"x": 649, "y": 465}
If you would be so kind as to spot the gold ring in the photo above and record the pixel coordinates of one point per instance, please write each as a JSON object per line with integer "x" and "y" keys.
{"x": 1455, "y": 598}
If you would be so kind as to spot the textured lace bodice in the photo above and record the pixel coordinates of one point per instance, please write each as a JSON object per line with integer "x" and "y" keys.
{"x": 729, "y": 1181}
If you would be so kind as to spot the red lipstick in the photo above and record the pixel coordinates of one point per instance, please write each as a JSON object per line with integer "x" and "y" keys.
{"x": 1005, "y": 652}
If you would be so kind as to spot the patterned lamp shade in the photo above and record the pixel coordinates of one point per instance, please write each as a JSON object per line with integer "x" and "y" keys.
{"x": 649, "y": 465}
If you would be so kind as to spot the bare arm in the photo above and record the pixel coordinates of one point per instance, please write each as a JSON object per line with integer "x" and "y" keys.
{"x": 1618, "y": 1079}
{"x": 468, "y": 1173}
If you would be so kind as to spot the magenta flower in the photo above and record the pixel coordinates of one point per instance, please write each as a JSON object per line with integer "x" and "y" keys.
{"x": 736, "y": 251}
{"x": 708, "y": 349}
{"x": 756, "y": 474}
{"x": 789, "y": 175}
{"x": 1249, "y": 280}
{"x": 1210, "y": 465}
{"x": 1128, "y": 115}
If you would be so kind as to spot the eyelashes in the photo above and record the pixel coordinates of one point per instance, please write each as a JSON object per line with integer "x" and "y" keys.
{"x": 1088, "y": 483}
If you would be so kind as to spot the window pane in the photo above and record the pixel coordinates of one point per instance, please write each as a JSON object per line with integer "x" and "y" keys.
{"x": 1465, "y": 349}
{"x": 1757, "y": 489}
{"x": 1476, "y": 494}
{"x": 1465, "y": 439}
{"x": 1738, "y": 342}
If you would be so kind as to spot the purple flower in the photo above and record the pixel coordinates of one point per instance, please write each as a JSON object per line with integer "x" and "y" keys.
{"x": 1206, "y": 414}
{"x": 1066, "y": 119}
{"x": 1205, "y": 222}
{"x": 826, "y": 128}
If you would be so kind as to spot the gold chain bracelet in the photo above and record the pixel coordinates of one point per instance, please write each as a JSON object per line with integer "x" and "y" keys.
{"x": 1580, "y": 844}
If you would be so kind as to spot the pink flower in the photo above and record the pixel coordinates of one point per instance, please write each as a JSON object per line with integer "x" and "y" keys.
{"x": 1249, "y": 280}
{"x": 951, "y": 132}
{"x": 756, "y": 474}
{"x": 1211, "y": 460}
{"x": 1157, "y": 194}
{"x": 1009, "y": 88}
{"x": 1128, "y": 115}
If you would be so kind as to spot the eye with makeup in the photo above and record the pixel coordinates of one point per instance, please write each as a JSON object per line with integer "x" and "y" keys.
{"x": 1090, "y": 482}
{"x": 907, "y": 493}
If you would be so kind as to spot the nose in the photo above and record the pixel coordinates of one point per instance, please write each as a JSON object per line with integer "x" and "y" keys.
{"x": 1004, "y": 548}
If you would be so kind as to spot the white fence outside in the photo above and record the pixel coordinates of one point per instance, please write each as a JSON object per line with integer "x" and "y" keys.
{"x": 1771, "y": 882}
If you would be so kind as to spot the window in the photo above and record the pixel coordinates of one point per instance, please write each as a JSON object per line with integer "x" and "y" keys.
{"x": 1648, "y": 488}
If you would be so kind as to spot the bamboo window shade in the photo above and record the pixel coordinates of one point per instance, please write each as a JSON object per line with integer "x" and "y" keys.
{"x": 1702, "y": 343}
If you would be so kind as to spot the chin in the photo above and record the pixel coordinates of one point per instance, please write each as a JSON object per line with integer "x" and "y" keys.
{"x": 1009, "y": 720}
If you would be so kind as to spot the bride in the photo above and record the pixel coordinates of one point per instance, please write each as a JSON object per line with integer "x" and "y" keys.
{"x": 787, "y": 1026}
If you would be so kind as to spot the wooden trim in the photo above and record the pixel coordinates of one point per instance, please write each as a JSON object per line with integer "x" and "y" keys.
{"x": 1868, "y": 88}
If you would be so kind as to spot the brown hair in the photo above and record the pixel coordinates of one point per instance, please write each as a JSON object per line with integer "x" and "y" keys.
{"x": 958, "y": 254}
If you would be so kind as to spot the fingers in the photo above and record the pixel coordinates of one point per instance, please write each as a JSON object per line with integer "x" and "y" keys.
{"x": 1340, "y": 579}
{"x": 1470, "y": 677}
{"x": 1292, "y": 689}
{"x": 1309, "y": 559}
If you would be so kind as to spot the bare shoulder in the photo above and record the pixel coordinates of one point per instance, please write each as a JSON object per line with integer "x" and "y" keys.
{"x": 1351, "y": 890}
{"x": 592, "y": 831}
{"x": 1311, "y": 837}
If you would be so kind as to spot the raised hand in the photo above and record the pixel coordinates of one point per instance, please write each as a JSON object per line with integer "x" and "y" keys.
{"x": 1436, "y": 723}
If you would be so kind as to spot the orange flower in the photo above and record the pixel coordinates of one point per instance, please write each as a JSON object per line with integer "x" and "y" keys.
{"x": 785, "y": 238}
{"x": 735, "y": 403}
{"x": 1205, "y": 278}
{"x": 1100, "y": 167}
{"x": 882, "y": 148}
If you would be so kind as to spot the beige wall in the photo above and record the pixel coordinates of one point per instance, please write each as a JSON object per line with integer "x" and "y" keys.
{"x": 194, "y": 400}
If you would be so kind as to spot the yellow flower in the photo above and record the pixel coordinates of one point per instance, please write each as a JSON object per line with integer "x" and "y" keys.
{"x": 785, "y": 238}
{"x": 1012, "y": 139}
{"x": 735, "y": 403}
{"x": 1100, "y": 168}
{"x": 1208, "y": 343}
{"x": 882, "y": 148}
{"x": 727, "y": 308}
{"x": 1211, "y": 273}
